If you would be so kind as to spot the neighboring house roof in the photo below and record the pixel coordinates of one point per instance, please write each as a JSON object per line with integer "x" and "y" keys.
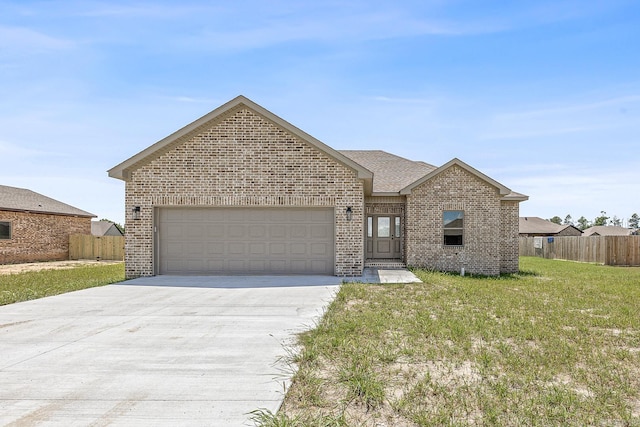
{"x": 537, "y": 225}
{"x": 123, "y": 170}
{"x": 20, "y": 199}
{"x": 104, "y": 228}
{"x": 607, "y": 230}
{"x": 391, "y": 173}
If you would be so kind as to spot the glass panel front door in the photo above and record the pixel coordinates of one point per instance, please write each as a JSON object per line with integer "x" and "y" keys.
{"x": 384, "y": 237}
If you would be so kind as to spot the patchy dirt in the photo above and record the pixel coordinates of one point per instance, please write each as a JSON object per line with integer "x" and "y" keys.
{"x": 51, "y": 265}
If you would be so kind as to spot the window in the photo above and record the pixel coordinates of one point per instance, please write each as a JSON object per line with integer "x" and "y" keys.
{"x": 453, "y": 222}
{"x": 5, "y": 230}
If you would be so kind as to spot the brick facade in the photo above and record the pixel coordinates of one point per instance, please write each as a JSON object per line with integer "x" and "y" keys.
{"x": 490, "y": 225}
{"x": 243, "y": 160}
{"x": 39, "y": 237}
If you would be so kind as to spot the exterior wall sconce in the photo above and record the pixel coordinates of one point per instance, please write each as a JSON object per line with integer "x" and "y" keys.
{"x": 136, "y": 212}
{"x": 349, "y": 213}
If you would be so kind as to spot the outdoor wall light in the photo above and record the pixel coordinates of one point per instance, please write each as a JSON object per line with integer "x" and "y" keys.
{"x": 136, "y": 212}
{"x": 349, "y": 213}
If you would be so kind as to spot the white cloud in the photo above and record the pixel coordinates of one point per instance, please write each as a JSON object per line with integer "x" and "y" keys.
{"x": 562, "y": 119}
{"x": 579, "y": 191}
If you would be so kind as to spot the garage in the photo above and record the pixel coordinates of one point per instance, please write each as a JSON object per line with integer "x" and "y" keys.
{"x": 245, "y": 240}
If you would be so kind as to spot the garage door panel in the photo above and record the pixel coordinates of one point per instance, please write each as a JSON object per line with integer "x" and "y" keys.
{"x": 299, "y": 215}
{"x": 246, "y": 240}
{"x": 236, "y": 231}
{"x": 174, "y": 248}
{"x": 257, "y": 231}
{"x": 321, "y": 215}
{"x": 193, "y": 248}
{"x": 174, "y": 231}
{"x": 258, "y": 249}
{"x": 299, "y": 231}
{"x": 279, "y": 248}
{"x": 298, "y": 249}
{"x": 235, "y": 265}
{"x": 215, "y": 230}
{"x": 236, "y": 248}
{"x": 215, "y": 248}
{"x": 318, "y": 266}
{"x": 277, "y": 232}
{"x": 194, "y": 231}
{"x": 320, "y": 232}
{"x": 319, "y": 249}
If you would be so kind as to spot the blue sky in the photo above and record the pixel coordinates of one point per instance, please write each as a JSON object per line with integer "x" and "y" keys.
{"x": 543, "y": 96}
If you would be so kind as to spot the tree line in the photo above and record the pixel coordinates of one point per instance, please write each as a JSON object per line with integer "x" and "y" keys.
{"x": 583, "y": 223}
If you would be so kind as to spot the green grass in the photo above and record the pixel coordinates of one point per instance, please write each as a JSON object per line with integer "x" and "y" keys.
{"x": 38, "y": 284}
{"x": 557, "y": 344}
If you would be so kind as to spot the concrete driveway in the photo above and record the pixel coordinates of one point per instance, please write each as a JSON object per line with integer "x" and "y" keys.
{"x": 155, "y": 351}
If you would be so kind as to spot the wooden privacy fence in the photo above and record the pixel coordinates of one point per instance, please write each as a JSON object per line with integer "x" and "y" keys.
{"x": 608, "y": 250}
{"x": 82, "y": 246}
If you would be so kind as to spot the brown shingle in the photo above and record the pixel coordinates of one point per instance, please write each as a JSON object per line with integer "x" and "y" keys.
{"x": 20, "y": 199}
{"x": 391, "y": 173}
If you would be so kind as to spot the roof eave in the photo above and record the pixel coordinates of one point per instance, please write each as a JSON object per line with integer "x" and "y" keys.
{"x": 386, "y": 194}
{"x": 504, "y": 191}
{"x": 123, "y": 170}
{"x": 519, "y": 198}
{"x": 79, "y": 215}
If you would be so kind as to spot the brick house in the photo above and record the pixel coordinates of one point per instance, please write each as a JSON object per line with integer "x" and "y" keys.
{"x": 531, "y": 226}
{"x": 36, "y": 228}
{"x": 240, "y": 190}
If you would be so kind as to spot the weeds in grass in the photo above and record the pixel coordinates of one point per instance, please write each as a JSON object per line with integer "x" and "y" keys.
{"x": 556, "y": 344}
{"x": 37, "y": 284}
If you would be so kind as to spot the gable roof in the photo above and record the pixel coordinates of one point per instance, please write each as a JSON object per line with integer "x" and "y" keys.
{"x": 101, "y": 228}
{"x": 23, "y": 200}
{"x": 504, "y": 191}
{"x": 607, "y": 230}
{"x": 391, "y": 173}
{"x": 122, "y": 171}
{"x": 537, "y": 225}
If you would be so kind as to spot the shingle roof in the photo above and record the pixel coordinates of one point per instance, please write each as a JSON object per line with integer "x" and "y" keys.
{"x": 391, "y": 173}
{"x": 102, "y": 227}
{"x": 607, "y": 230}
{"x": 20, "y": 199}
{"x": 536, "y": 225}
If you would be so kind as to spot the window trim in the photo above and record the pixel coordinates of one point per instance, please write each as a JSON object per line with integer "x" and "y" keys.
{"x": 8, "y": 223}
{"x": 445, "y": 227}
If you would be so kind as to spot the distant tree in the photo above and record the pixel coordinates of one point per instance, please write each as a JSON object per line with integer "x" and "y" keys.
{"x": 602, "y": 219}
{"x": 568, "y": 220}
{"x": 583, "y": 223}
{"x": 118, "y": 226}
{"x": 616, "y": 221}
{"x": 634, "y": 221}
{"x": 556, "y": 220}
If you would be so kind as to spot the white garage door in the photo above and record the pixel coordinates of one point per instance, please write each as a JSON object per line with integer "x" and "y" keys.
{"x": 246, "y": 241}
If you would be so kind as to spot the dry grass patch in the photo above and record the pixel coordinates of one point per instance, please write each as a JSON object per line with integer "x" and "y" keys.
{"x": 553, "y": 345}
{"x": 46, "y": 282}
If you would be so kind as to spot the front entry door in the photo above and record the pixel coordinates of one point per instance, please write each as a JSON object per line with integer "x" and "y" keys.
{"x": 384, "y": 236}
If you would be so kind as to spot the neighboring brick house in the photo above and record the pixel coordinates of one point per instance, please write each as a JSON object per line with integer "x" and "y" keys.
{"x": 532, "y": 226}
{"x": 35, "y": 228}
{"x": 240, "y": 190}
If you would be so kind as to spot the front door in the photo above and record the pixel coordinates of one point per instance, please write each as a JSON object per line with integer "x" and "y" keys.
{"x": 384, "y": 237}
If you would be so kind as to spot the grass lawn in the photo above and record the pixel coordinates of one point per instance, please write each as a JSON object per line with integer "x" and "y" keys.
{"x": 37, "y": 284}
{"x": 557, "y": 344}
